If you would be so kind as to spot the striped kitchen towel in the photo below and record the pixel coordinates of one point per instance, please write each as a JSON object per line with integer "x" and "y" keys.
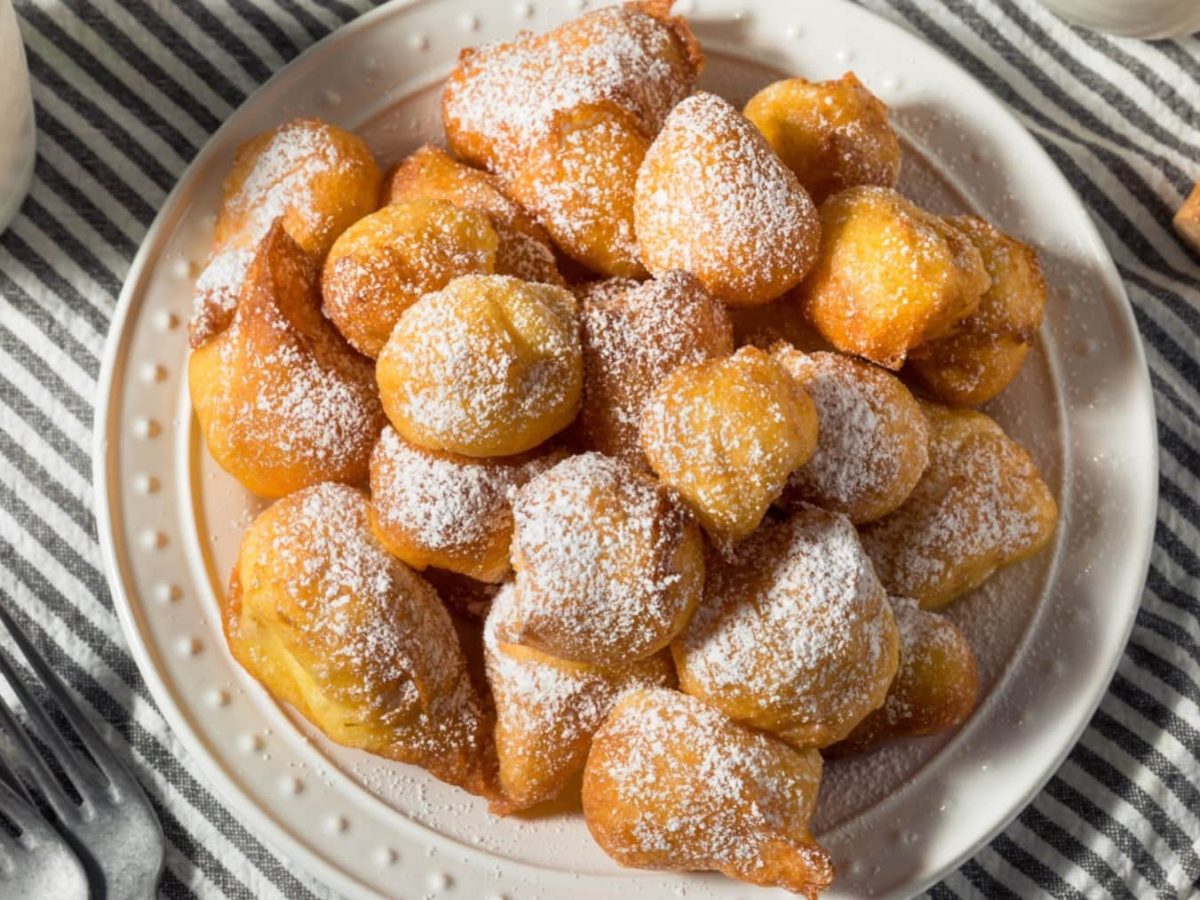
{"x": 127, "y": 91}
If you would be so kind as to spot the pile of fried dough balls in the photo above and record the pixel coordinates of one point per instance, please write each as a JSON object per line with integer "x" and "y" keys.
{"x": 676, "y": 399}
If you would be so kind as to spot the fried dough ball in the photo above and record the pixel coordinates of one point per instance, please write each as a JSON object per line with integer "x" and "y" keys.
{"x": 579, "y": 181}
{"x": 432, "y": 174}
{"x": 331, "y": 623}
{"x": 935, "y": 688}
{"x": 565, "y": 117}
{"x": 547, "y": 709}
{"x": 981, "y": 504}
{"x": 488, "y": 366}
{"x": 831, "y": 134}
{"x": 502, "y": 97}
{"x": 714, "y": 199}
{"x": 432, "y": 508}
{"x": 873, "y": 443}
{"x": 672, "y": 784}
{"x": 726, "y": 434}
{"x": 314, "y": 176}
{"x": 384, "y": 263}
{"x": 795, "y": 636}
{"x": 890, "y": 276}
{"x": 635, "y": 334}
{"x": 987, "y": 348}
{"x": 283, "y": 401}
{"x": 609, "y": 563}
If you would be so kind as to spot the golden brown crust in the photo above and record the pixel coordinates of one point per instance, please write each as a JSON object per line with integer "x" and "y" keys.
{"x": 432, "y": 508}
{"x": 986, "y": 350}
{"x": 767, "y": 324}
{"x": 502, "y": 98}
{"x": 387, "y": 261}
{"x": 547, "y": 710}
{"x": 577, "y": 631}
{"x": 283, "y": 401}
{"x": 689, "y": 46}
{"x": 430, "y": 173}
{"x": 634, "y": 334}
{"x": 579, "y": 181}
{"x": 488, "y": 366}
{"x": 358, "y": 643}
{"x": 609, "y": 563}
{"x": 564, "y": 118}
{"x": 713, "y": 199}
{"x": 672, "y": 784}
{"x": 832, "y": 134}
{"x": 936, "y": 686}
{"x": 873, "y": 441}
{"x": 981, "y": 504}
{"x": 726, "y": 434}
{"x": 314, "y": 177}
{"x": 795, "y": 635}
{"x": 889, "y": 276}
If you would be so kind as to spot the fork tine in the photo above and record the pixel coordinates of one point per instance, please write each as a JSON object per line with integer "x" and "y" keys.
{"x": 9, "y": 848}
{"x": 100, "y": 751}
{"x": 19, "y": 810}
{"x": 81, "y": 773}
{"x": 9, "y": 777}
{"x": 29, "y": 759}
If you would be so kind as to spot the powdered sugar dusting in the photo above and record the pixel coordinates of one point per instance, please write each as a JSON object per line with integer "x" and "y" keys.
{"x": 796, "y": 633}
{"x": 548, "y": 709}
{"x": 607, "y": 562}
{"x": 373, "y": 633}
{"x": 313, "y": 413}
{"x": 432, "y": 174}
{"x": 504, "y": 97}
{"x": 347, "y": 581}
{"x": 873, "y": 440}
{"x": 283, "y": 178}
{"x": 524, "y": 256}
{"x": 486, "y": 357}
{"x": 580, "y": 184}
{"x": 445, "y": 504}
{"x": 727, "y": 434}
{"x": 714, "y": 199}
{"x": 291, "y": 393}
{"x": 311, "y": 176}
{"x": 981, "y": 504}
{"x": 217, "y": 289}
{"x": 692, "y": 790}
{"x": 388, "y": 260}
{"x": 634, "y": 334}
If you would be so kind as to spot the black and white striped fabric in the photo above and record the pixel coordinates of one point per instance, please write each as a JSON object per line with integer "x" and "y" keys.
{"x": 127, "y": 91}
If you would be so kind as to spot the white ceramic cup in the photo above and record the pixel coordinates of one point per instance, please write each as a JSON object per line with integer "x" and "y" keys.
{"x": 17, "y": 141}
{"x": 1146, "y": 19}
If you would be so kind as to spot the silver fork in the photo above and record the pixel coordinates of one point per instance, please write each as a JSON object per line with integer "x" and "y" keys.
{"x": 113, "y": 830}
{"x": 37, "y": 862}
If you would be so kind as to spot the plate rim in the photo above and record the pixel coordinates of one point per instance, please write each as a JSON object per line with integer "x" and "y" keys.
{"x": 276, "y": 836}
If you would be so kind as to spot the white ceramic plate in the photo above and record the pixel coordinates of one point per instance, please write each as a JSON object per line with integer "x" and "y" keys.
{"x": 1049, "y": 632}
